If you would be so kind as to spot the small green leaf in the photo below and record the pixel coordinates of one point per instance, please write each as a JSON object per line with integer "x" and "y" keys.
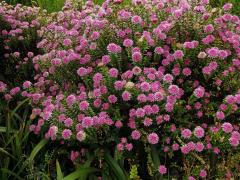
{"x": 115, "y": 167}
{"x": 37, "y": 148}
{"x": 59, "y": 171}
{"x": 7, "y": 171}
{"x": 81, "y": 173}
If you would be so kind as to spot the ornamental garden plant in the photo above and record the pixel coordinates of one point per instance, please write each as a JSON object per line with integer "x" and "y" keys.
{"x": 132, "y": 90}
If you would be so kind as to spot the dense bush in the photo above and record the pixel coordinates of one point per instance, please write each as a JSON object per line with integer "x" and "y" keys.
{"x": 153, "y": 83}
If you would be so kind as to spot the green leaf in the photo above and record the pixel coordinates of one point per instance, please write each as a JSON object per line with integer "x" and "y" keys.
{"x": 3, "y": 151}
{"x": 59, "y": 171}
{"x": 18, "y": 106}
{"x": 155, "y": 157}
{"x": 37, "y": 148}
{"x": 81, "y": 173}
{"x": 4, "y": 130}
{"x": 115, "y": 167}
{"x": 7, "y": 171}
{"x": 34, "y": 152}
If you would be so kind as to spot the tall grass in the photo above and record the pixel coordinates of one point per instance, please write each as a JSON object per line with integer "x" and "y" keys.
{"x": 17, "y": 148}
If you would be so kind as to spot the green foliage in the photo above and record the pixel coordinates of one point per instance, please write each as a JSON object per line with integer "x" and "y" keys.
{"x": 220, "y": 3}
{"x": 134, "y": 172}
{"x": 49, "y": 5}
{"x": 118, "y": 172}
{"x": 18, "y": 150}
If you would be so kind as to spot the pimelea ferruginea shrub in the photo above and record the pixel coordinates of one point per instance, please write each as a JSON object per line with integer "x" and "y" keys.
{"x": 18, "y": 40}
{"x": 157, "y": 80}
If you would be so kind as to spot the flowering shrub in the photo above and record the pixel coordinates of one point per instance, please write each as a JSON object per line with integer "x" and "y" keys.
{"x": 157, "y": 80}
{"x": 18, "y": 39}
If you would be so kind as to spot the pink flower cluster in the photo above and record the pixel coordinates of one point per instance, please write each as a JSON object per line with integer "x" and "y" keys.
{"x": 129, "y": 77}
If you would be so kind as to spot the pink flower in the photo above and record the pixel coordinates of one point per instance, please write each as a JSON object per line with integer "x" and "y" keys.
{"x": 168, "y": 78}
{"x": 203, "y": 174}
{"x": 162, "y": 169}
{"x": 173, "y": 89}
{"x": 71, "y": 99}
{"x": 136, "y": 70}
{"x": 106, "y": 59}
{"x": 140, "y": 112}
{"x": 187, "y": 71}
{"x": 220, "y": 115}
{"x": 113, "y": 72}
{"x": 81, "y": 136}
{"x": 227, "y": 6}
{"x": 26, "y": 84}
{"x": 67, "y": 42}
{"x": 227, "y": 127}
{"x": 83, "y": 105}
{"x": 185, "y": 149}
{"x": 236, "y": 135}
{"x": 47, "y": 115}
{"x": 223, "y": 54}
{"x": 68, "y": 122}
{"x": 178, "y": 54}
{"x": 128, "y": 43}
{"x": 87, "y": 122}
{"x": 14, "y": 91}
{"x": 213, "y": 52}
{"x": 234, "y": 141}
{"x": 112, "y": 99}
{"x": 142, "y": 98}
{"x": 147, "y": 122}
{"x": 191, "y": 178}
{"x": 120, "y": 147}
{"x": 97, "y": 77}
{"x": 145, "y": 86}
{"x": 118, "y": 85}
{"x": 153, "y": 138}
{"x": 230, "y": 99}
{"x": 178, "y": 13}
{"x": 136, "y": 56}
{"x": 66, "y": 133}
{"x": 216, "y": 150}
{"x": 136, "y": 135}
{"x": 129, "y": 146}
{"x": 199, "y": 92}
{"x": 209, "y": 28}
{"x": 118, "y": 124}
{"x": 199, "y": 147}
{"x": 74, "y": 155}
{"x": 3, "y": 86}
{"x": 186, "y": 133}
{"x": 82, "y": 71}
{"x": 199, "y": 132}
{"x": 202, "y": 55}
{"x": 114, "y": 48}
{"x": 213, "y": 65}
{"x": 159, "y": 50}
{"x": 136, "y": 19}
{"x": 126, "y": 96}
{"x": 175, "y": 147}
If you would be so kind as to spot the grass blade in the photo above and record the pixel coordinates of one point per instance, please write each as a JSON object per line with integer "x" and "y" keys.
{"x": 84, "y": 172}
{"x": 4, "y": 130}
{"x": 7, "y": 153}
{"x": 115, "y": 167}
{"x": 11, "y": 173}
{"x": 37, "y": 148}
{"x": 59, "y": 171}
